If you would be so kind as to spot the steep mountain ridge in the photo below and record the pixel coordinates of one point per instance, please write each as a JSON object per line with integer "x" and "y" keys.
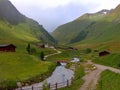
{"x": 9, "y": 13}
{"x": 14, "y": 26}
{"x": 97, "y": 27}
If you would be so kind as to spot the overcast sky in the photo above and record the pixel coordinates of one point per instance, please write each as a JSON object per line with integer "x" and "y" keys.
{"x": 52, "y": 13}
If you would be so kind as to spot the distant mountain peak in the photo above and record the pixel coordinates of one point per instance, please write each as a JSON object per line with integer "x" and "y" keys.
{"x": 94, "y": 15}
{"x": 104, "y": 11}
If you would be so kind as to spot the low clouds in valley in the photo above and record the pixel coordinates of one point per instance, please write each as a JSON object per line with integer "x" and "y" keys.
{"x": 52, "y": 13}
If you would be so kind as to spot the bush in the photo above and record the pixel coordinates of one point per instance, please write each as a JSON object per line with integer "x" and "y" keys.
{"x": 7, "y": 85}
{"x": 68, "y": 65}
{"x": 42, "y": 56}
{"x": 28, "y": 48}
{"x": 33, "y": 50}
{"x": 119, "y": 65}
{"x": 88, "y": 50}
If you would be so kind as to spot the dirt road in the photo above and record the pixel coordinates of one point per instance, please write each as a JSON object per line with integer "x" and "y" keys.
{"x": 58, "y": 52}
{"x": 92, "y": 78}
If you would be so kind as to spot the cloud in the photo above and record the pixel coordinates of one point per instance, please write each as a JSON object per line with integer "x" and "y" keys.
{"x": 42, "y": 3}
{"x": 52, "y": 13}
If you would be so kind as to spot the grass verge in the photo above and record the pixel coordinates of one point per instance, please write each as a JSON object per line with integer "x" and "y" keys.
{"x": 22, "y": 67}
{"x": 109, "y": 81}
{"x": 112, "y": 60}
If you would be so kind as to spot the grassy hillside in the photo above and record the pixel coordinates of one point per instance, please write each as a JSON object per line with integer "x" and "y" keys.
{"x": 109, "y": 81}
{"x": 65, "y": 33}
{"x": 14, "y": 25}
{"x": 29, "y": 68}
{"x": 65, "y": 55}
{"x": 19, "y": 30}
{"x": 103, "y": 26}
{"x": 73, "y": 29}
{"x": 112, "y": 60}
{"x": 9, "y": 13}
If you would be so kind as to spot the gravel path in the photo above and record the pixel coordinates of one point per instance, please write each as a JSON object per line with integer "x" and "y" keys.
{"x": 58, "y": 52}
{"x": 102, "y": 67}
{"x": 92, "y": 78}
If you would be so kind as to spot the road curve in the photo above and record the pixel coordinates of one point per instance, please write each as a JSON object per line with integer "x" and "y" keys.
{"x": 92, "y": 78}
{"x": 102, "y": 67}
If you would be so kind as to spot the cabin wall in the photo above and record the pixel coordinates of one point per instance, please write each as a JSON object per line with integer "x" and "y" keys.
{"x": 7, "y": 49}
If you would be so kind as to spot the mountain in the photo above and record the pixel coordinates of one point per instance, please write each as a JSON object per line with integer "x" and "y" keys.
{"x": 9, "y": 13}
{"x": 99, "y": 27}
{"x": 15, "y": 27}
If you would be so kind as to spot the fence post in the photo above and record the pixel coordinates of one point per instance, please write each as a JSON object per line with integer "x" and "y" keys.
{"x": 20, "y": 88}
{"x": 72, "y": 80}
{"x": 49, "y": 85}
{"x": 101, "y": 84}
{"x": 32, "y": 87}
{"x": 67, "y": 83}
{"x": 56, "y": 86}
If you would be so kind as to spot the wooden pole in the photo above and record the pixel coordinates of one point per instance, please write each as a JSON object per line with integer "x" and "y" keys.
{"x": 20, "y": 88}
{"x": 49, "y": 85}
{"x": 32, "y": 87}
{"x": 67, "y": 83}
{"x": 56, "y": 86}
{"x": 72, "y": 80}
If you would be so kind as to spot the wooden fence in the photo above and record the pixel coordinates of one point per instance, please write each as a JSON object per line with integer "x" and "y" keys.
{"x": 49, "y": 86}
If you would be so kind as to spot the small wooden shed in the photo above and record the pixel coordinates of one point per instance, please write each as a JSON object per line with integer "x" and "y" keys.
{"x": 7, "y": 48}
{"x": 104, "y": 53}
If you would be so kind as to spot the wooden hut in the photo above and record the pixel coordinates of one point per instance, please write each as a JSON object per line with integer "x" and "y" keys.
{"x": 104, "y": 53}
{"x": 7, "y": 48}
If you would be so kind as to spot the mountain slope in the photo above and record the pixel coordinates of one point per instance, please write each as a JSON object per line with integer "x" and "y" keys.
{"x": 14, "y": 26}
{"x": 9, "y": 13}
{"x": 91, "y": 28}
{"x": 19, "y": 30}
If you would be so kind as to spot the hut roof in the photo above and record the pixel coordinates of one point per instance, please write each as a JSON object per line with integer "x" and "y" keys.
{"x": 5, "y": 45}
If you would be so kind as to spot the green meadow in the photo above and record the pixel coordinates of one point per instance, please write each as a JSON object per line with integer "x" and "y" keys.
{"x": 67, "y": 55}
{"x": 97, "y": 32}
{"x": 19, "y": 65}
{"x": 109, "y": 81}
{"x": 112, "y": 60}
{"x": 16, "y": 67}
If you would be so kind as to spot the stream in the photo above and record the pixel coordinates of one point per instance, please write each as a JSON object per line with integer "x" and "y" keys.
{"x": 61, "y": 75}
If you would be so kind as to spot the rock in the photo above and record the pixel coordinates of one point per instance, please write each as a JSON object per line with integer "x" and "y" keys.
{"x": 19, "y": 84}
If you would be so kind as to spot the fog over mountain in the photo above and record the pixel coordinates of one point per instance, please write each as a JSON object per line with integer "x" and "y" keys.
{"x": 52, "y": 13}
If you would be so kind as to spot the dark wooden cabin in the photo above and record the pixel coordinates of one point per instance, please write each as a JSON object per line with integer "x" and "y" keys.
{"x": 104, "y": 53}
{"x": 72, "y": 48}
{"x": 7, "y": 48}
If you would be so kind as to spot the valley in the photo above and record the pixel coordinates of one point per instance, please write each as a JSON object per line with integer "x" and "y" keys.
{"x": 37, "y": 53}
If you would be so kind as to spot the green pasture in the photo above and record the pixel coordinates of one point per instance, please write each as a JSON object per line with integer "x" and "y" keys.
{"x": 109, "y": 81}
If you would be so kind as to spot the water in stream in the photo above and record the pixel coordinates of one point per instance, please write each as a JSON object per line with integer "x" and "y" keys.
{"x": 59, "y": 76}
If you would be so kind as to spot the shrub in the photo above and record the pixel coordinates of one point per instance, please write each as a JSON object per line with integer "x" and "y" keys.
{"x": 42, "y": 55}
{"x": 88, "y": 50}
